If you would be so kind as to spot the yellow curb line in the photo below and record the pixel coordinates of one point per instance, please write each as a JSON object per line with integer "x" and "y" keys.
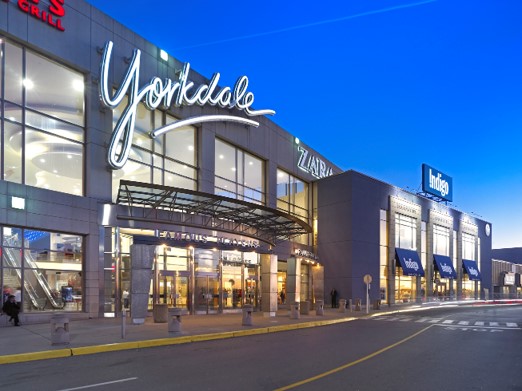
{"x": 85, "y": 350}
{"x": 23, "y": 357}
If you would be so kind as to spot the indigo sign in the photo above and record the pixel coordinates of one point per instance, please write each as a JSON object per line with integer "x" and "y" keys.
{"x": 437, "y": 183}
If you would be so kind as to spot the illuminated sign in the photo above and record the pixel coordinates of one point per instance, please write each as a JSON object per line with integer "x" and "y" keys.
{"x": 436, "y": 183}
{"x": 305, "y": 254}
{"x": 165, "y": 93}
{"x": 52, "y": 15}
{"x": 202, "y": 238}
{"x": 312, "y": 164}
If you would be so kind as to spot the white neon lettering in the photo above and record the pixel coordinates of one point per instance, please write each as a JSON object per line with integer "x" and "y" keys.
{"x": 166, "y": 91}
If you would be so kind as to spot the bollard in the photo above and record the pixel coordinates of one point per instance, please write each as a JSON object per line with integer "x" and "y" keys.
{"x": 247, "y": 314}
{"x": 59, "y": 330}
{"x": 305, "y": 308}
{"x": 319, "y": 307}
{"x": 350, "y": 305}
{"x": 357, "y": 304}
{"x": 123, "y": 323}
{"x": 175, "y": 320}
{"x": 160, "y": 313}
{"x": 294, "y": 310}
{"x": 377, "y": 304}
{"x": 342, "y": 305}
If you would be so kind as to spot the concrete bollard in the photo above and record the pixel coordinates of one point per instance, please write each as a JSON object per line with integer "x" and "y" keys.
{"x": 248, "y": 311}
{"x": 294, "y": 310}
{"x": 60, "y": 330}
{"x": 319, "y": 307}
{"x": 175, "y": 320}
{"x": 357, "y": 304}
{"x": 160, "y": 313}
{"x": 350, "y": 305}
{"x": 342, "y": 305}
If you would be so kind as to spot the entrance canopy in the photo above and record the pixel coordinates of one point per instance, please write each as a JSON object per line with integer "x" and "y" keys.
{"x": 409, "y": 261}
{"x": 444, "y": 265}
{"x": 208, "y": 211}
{"x": 470, "y": 267}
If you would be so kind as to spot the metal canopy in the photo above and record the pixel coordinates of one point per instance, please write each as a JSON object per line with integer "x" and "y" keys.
{"x": 208, "y": 211}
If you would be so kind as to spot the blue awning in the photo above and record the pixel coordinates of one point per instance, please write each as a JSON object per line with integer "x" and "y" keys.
{"x": 444, "y": 265}
{"x": 409, "y": 261}
{"x": 470, "y": 267}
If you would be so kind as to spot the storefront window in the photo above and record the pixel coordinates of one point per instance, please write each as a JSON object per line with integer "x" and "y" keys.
{"x": 168, "y": 160}
{"x": 47, "y": 265}
{"x": 468, "y": 246}
{"x": 405, "y": 232}
{"x": 441, "y": 240}
{"x": 43, "y": 121}
{"x": 239, "y": 174}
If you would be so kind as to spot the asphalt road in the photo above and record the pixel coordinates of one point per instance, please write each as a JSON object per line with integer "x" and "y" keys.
{"x": 461, "y": 348}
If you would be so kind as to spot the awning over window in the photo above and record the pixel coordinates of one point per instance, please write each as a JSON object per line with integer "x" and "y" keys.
{"x": 444, "y": 265}
{"x": 470, "y": 267}
{"x": 409, "y": 261}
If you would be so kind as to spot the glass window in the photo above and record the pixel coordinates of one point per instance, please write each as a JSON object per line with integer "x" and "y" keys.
{"x": 468, "y": 246}
{"x": 292, "y": 195}
{"x": 239, "y": 174}
{"x": 47, "y": 149}
{"x": 441, "y": 240}
{"x": 50, "y": 270}
{"x": 405, "y": 232}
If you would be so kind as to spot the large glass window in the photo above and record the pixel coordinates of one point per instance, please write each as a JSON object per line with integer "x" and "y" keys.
{"x": 468, "y": 246}
{"x": 292, "y": 195}
{"x": 46, "y": 267}
{"x": 239, "y": 174}
{"x": 43, "y": 117}
{"x": 168, "y": 160}
{"x": 405, "y": 232}
{"x": 441, "y": 240}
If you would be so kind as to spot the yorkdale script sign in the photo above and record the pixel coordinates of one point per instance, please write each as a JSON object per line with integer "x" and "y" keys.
{"x": 167, "y": 93}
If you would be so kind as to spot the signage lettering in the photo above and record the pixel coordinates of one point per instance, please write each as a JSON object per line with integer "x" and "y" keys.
{"x": 411, "y": 264}
{"x": 166, "y": 93}
{"x": 313, "y": 165}
{"x": 52, "y": 16}
{"x": 305, "y": 254}
{"x": 473, "y": 271}
{"x": 436, "y": 183}
{"x": 202, "y": 238}
{"x": 446, "y": 268}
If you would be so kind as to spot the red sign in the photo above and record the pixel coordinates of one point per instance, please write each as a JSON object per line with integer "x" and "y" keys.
{"x": 51, "y": 15}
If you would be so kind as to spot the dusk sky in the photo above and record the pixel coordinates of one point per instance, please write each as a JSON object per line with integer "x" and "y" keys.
{"x": 378, "y": 86}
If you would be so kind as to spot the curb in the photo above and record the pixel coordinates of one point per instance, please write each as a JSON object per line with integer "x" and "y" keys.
{"x": 119, "y": 346}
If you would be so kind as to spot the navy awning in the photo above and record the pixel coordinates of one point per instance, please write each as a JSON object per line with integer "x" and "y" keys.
{"x": 444, "y": 265}
{"x": 409, "y": 261}
{"x": 470, "y": 267}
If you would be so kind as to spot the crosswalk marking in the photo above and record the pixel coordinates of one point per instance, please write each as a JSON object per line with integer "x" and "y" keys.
{"x": 435, "y": 320}
{"x": 493, "y": 323}
{"x": 448, "y": 321}
{"x": 422, "y": 320}
{"x": 463, "y": 323}
{"x": 510, "y": 324}
{"x": 479, "y": 323}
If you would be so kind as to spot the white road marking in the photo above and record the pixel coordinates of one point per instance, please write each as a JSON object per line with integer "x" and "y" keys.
{"x": 493, "y": 323}
{"x": 99, "y": 384}
{"x": 448, "y": 321}
{"x": 479, "y": 323}
{"x": 463, "y": 323}
{"x": 509, "y": 324}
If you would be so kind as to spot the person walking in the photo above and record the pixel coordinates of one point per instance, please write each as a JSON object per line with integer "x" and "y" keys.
{"x": 12, "y": 308}
{"x": 333, "y": 295}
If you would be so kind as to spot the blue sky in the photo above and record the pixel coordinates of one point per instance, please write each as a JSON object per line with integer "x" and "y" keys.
{"x": 379, "y": 86}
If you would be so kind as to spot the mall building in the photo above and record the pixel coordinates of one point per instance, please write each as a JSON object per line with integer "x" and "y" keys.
{"x": 130, "y": 181}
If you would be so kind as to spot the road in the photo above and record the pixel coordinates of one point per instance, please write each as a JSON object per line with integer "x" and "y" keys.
{"x": 453, "y": 348}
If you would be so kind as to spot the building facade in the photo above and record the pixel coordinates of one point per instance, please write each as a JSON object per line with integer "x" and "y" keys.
{"x": 415, "y": 249}
{"x": 131, "y": 181}
{"x": 506, "y": 268}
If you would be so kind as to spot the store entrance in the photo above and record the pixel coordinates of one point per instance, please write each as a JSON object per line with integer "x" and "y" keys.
{"x": 206, "y": 295}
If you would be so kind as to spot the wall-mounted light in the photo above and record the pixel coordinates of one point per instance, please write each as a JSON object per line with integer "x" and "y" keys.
{"x": 164, "y": 55}
{"x": 18, "y": 203}
{"x": 296, "y": 140}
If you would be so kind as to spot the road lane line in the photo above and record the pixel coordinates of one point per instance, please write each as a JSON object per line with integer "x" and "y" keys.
{"x": 351, "y": 364}
{"x": 100, "y": 384}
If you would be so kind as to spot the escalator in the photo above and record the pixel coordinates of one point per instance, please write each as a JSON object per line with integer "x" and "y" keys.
{"x": 35, "y": 284}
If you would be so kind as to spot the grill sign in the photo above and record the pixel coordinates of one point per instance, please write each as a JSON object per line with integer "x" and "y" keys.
{"x": 51, "y": 14}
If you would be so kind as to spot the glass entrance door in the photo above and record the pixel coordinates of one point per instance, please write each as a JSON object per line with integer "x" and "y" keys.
{"x": 206, "y": 295}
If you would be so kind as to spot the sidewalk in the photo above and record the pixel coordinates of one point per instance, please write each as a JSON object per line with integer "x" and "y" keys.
{"x": 33, "y": 341}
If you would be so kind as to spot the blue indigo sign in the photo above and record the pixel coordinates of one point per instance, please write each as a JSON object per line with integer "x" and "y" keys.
{"x": 436, "y": 183}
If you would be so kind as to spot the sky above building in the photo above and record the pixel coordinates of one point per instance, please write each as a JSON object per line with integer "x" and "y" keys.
{"x": 378, "y": 86}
